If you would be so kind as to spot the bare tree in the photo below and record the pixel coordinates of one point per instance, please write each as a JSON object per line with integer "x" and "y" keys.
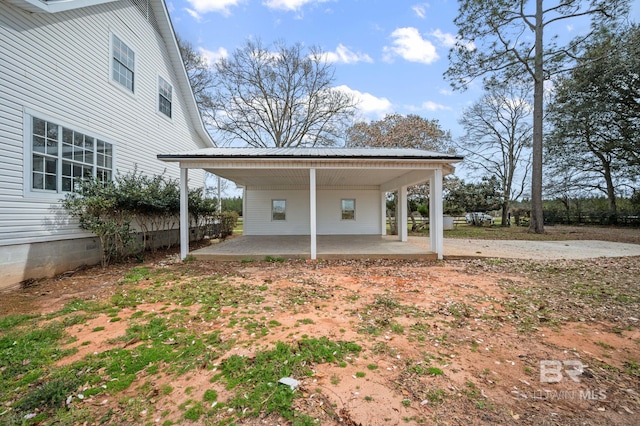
{"x": 280, "y": 97}
{"x": 498, "y": 139}
{"x": 398, "y": 131}
{"x": 508, "y": 43}
{"x": 200, "y": 78}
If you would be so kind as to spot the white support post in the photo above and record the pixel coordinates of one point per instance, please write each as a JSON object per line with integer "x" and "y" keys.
{"x": 312, "y": 212}
{"x": 436, "y": 226}
{"x": 383, "y": 213}
{"x": 184, "y": 213}
{"x": 402, "y": 214}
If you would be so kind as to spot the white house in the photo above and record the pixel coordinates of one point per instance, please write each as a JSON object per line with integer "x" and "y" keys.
{"x": 322, "y": 191}
{"x": 87, "y": 87}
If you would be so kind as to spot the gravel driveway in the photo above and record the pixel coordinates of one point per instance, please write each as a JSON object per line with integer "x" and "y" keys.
{"x": 537, "y": 250}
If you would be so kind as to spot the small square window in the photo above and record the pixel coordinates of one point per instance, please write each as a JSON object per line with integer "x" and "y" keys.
{"x": 349, "y": 209}
{"x": 165, "y": 92}
{"x": 278, "y": 209}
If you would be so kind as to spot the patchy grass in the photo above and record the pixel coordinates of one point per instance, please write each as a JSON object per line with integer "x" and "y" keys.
{"x": 203, "y": 345}
{"x": 552, "y": 292}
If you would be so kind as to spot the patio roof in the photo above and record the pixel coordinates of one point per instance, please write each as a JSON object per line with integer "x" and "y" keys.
{"x": 313, "y": 153}
{"x": 361, "y": 167}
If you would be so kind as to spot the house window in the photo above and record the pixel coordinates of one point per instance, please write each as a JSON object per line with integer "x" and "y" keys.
{"x": 278, "y": 209}
{"x": 348, "y": 209}
{"x": 123, "y": 63}
{"x": 62, "y": 157}
{"x": 164, "y": 96}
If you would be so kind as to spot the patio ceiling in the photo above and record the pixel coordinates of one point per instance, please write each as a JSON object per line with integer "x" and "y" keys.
{"x": 324, "y": 177}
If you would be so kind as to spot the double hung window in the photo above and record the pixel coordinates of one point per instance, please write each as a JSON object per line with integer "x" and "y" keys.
{"x": 123, "y": 63}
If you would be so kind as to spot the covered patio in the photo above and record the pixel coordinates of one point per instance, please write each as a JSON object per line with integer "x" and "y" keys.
{"x": 297, "y": 194}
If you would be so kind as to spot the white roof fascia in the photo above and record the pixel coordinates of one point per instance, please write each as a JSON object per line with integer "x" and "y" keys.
{"x": 55, "y": 6}
{"x": 169, "y": 35}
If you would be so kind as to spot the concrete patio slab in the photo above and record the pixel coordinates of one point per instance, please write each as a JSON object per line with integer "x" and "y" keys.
{"x": 389, "y": 247}
{"x": 257, "y": 247}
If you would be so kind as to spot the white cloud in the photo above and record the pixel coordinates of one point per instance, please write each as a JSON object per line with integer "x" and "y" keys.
{"x": 447, "y": 39}
{"x": 369, "y": 105}
{"x": 420, "y": 9}
{"x": 195, "y": 15}
{"x": 292, "y": 5}
{"x": 213, "y": 55}
{"x": 220, "y": 6}
{"x": 446, "y": 92}
{"x": 409, "y": 45}
{"x": 432, "y": 106}
{"x": 345, "y": 55}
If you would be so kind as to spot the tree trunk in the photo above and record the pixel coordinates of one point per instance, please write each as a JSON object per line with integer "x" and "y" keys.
{"x": 567, "y": 208}
{"x": 611, "y": 195}
{"x": 536, "y": 224}
{"x": 505, "y": 213}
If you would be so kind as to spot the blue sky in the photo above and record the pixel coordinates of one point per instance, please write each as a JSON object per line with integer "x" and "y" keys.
{"x": 390, "y": 54}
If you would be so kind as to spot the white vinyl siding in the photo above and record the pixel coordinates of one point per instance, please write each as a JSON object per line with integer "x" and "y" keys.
{"x": 258, "y": 213}
{"x": 57, "y": 67}
{"x": 367, "y": 218}
{"x": 258, "y": 208}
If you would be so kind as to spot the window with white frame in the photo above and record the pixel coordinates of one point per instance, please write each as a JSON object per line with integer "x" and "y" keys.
{"x": 165, "y": 92}
{"x": 348, "y": 209}
{"x": 123, "y": 63}
{"x": 278, "y": 209}
{"x": 62, "y": 157}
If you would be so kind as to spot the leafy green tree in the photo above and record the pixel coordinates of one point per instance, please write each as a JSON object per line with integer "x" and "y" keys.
{"x": 232, "y": 204}
{"x": 497, "y": 139}
{"x": 610, "y": 68}
{"x": 503, "y": 41}
{"x": 482, "y": 196}
{"x": 595, "y": 118}
{"x": 279, "y": 97}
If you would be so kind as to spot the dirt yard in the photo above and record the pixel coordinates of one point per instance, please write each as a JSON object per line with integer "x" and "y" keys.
{"x": 459, "y": 342}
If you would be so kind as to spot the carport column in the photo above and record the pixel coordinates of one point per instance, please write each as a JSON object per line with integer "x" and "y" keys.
{"x": 401, "y": 218}
{"x": 436, "y": 227}
{"x": 184, "y": 213}
{"x": 312, "y": 211}
{"x": 383, "y": 213}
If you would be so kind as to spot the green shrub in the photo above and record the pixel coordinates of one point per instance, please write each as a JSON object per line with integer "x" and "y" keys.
{"x": 116, "y": 210}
